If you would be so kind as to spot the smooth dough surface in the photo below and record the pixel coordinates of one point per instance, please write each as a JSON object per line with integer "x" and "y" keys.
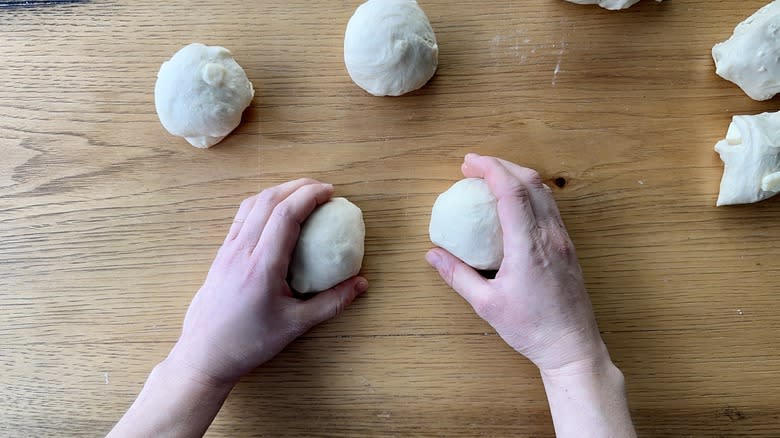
{"x": 201, "y": 93}
{"x": 464, "y": 221}
{"x": 390, "y": 48}
{"x": 330, "y": 247}
{"x": 608, "y": 4}
{"x": 751, "y": 158}
{"x": 751, "y": 57}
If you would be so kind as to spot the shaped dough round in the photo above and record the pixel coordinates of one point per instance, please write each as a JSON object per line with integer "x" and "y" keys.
{"x": 200, "y": 94}
{"x": 613, "y": 5}
{"x": 390, "y": 48}
{"x": 464, "y": 221}
{"x": 330, "y": 247}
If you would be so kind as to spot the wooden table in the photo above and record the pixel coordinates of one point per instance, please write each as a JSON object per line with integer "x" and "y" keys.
{"x": 108, "y": 224}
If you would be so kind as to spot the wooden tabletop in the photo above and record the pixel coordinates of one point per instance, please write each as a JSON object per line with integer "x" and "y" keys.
{"x": 108, "y": 224}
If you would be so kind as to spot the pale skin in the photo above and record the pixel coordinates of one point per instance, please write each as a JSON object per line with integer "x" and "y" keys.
{"x": 245, "y": 312}
{"x": 538, "y": 303}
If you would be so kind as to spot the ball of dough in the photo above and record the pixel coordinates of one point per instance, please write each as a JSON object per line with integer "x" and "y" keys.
{"x": 465, "y": 222}
{"x": 613, "y": 5}
{"x": 200, "y": 94}
{"x": 390, "y": 48}
{"x": 607, "y": 4}
{"x": 330, "y": 247}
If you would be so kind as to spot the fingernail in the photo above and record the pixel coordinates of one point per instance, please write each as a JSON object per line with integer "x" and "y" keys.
{"x": 328, "y": 186}
{"x": 361, "y": 286}
{"x": 433, "y": 259}
{"x": 471, "y": 156}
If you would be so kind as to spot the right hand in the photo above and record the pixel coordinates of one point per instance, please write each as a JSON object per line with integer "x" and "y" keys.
{"x": 537, "y": 303}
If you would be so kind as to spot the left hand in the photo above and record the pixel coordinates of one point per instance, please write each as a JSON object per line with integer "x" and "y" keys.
{"x": 245, "y": 313}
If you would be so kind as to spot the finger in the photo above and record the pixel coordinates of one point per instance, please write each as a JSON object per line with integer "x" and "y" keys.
{"x": 252, "y": 227}
{"x": 281, "y": 232}
{"x": 329, "y": 304}
{"x": 542, "y": 200}
{"x": 459, "y": 276}
{"x": 515, "y": 211}
{"x": 240, "y": 218}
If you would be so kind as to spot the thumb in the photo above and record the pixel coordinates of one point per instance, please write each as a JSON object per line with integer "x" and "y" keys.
{"x": 332, "y": 302}
{"x": 465, "y": 280}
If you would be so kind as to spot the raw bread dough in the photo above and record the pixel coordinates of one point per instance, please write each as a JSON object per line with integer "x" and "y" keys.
{"x": 464, "y": 221}
{"x": 200, "y": 94}
{"x": 330, "y": 247}
{"x": 390, "y": 48}
{"x": 751, "y": 57}
{"x": 751, "y": 154}
{"x": 608, "y": 4}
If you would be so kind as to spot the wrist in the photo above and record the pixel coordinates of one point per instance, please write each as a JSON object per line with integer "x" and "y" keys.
{"x": 588, "y": 399}
{"x": 597, "y": 362}
{"x": 178, "y": 368}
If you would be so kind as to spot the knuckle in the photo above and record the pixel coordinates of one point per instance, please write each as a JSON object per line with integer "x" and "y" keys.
{"x": 338, "y": 308}
{"x": 283, "y": 211}
{"x": 563, "y": 245}
{"x": 247, "y": 202}
{"x": 298, "y": 326}
{"x": 304, "y": 181}
{"x": 533, "y": 177}
{"x": 269, "y": 197}
{"x": 447, "y": 272}
{"x": 518, "y": 190}
{"x": 485, "y": 307}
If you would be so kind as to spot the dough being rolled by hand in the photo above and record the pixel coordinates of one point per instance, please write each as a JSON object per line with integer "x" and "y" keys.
{"x": 330, "y": 247}
{"x": 613, "y": 5}
{"x": 464, "y": 221}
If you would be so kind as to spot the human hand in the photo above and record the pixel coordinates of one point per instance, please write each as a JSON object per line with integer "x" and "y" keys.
{"x": 245, "y": 313}
{"x": 537, "y": 302}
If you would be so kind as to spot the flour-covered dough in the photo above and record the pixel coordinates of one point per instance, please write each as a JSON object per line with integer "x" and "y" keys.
{"x": 464, "y": 221}
{"x": 330, "y": 247}
{"x": 751, "y": 155}
{"x": 390, "y": 48}
{"x": 751, "y": 57}
{"x": 608, "y": 4}
{"x": 201, "y": 93}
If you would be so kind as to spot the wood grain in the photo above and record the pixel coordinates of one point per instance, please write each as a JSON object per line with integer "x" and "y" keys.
{"x": 108, "y": 224}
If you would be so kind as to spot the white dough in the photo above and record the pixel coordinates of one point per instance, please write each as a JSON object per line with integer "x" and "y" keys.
{"x": 751, "y": 57}
{"x": 200, "y": 94}
{"x": 751, "y": 154}
{"x": 330, "y": 247}
{"x": 464, "y": 221}
{"x": 608, "y": 4}
{"x": 390, "y": 48}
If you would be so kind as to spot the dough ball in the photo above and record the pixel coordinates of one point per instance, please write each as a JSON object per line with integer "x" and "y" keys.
{"x": 613, "y": 5}
{"x": 200, "y": 94}
{"x": 390, "y": 48}
{"x": 330, "y": 247}
{"x": 465, "y": 222}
